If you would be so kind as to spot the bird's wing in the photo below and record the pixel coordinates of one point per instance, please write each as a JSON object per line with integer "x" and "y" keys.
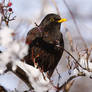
{"x": 32, "y": 34}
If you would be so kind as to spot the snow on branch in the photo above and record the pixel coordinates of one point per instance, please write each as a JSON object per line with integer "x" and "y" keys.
{"x": 13, "y": 49}
{"x": 39, "y": 82}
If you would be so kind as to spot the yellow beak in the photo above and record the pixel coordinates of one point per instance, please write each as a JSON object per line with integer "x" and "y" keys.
{"x": 62, "y": 20}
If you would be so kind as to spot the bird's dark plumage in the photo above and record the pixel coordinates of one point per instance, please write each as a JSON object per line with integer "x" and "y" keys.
{"x": 44, "y": 44}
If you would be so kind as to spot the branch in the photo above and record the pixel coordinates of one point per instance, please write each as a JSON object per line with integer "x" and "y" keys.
{"x": 19, "y": 73}
{"x": 76, "y": 61}
{"x": 71, "y": 78}
{"x": 76, "y": 25}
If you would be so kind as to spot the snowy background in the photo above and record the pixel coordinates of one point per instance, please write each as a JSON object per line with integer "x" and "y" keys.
{"x": 30, "y": 11}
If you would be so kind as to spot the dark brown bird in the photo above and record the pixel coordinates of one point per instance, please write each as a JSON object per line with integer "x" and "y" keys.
{"x": 44, "y": 43}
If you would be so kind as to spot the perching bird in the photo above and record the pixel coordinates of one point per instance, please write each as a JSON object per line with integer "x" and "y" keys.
{"x": 44, "y": 43}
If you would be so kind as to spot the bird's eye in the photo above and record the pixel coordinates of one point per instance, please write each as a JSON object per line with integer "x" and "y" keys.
{"x": 51, "y": 19}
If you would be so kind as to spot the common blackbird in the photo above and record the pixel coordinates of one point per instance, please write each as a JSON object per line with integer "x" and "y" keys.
{"x": 44, "y": 43}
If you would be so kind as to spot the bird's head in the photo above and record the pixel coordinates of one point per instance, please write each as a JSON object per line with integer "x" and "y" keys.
{"x": 52, "y": 20}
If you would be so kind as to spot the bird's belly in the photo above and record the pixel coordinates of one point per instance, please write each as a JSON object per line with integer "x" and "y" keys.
{"x": 44, "y": 54}
{"x": 44, "y": 59}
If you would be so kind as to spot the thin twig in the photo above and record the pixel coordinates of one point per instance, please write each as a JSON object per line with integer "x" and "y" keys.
{"x": 76, "y": 25}
{"x": 57, "y": 9}
{"x": 76, "y": 61}
{"x": 71, "y": 78}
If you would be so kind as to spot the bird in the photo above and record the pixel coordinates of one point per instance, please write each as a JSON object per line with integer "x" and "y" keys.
{"x": 44, "y": 42}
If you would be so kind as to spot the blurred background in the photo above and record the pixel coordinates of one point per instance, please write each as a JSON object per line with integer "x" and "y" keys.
{"x": 79, "y": 25}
